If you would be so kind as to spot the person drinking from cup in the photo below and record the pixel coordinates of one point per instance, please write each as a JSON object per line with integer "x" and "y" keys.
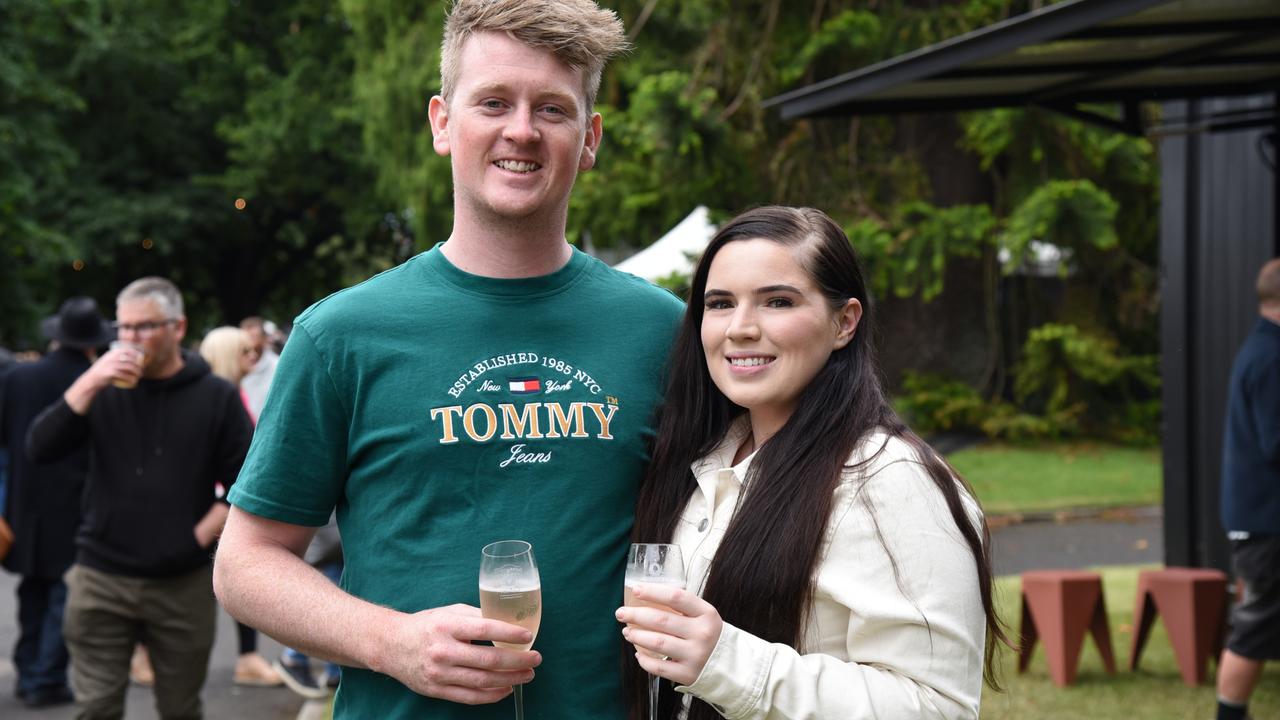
{"x": 150, "y": 514}
{"x": 837, "y": 567}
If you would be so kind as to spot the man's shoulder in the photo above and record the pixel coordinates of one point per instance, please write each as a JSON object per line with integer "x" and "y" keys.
{"x": 354, "y": 307}
{"x": 625, "y": 285}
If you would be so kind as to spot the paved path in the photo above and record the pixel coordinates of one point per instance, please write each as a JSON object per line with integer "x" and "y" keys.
{"x": 1117, "y": 538}
{"x": 1127, "y": 537}
{"x": 222, "y": 698}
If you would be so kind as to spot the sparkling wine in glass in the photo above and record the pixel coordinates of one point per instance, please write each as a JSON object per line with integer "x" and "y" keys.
{"x": 510, "y": 591}
{"x": 657, "y": 564}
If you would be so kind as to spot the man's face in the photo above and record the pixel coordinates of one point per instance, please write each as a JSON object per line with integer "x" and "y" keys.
{"x": 517, "y": 129}
{"x": 257, "y": 338}
{"x": 141, "y": 321}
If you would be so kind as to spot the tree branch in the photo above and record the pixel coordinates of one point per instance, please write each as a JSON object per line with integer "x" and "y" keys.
{"x": 756, "y": 58}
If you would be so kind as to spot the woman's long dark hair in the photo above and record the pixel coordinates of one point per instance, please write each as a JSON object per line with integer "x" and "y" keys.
{"x": 761, "y": 579}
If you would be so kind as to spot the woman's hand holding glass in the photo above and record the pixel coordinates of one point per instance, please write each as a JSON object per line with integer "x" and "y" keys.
{"x": 685, "y": 636}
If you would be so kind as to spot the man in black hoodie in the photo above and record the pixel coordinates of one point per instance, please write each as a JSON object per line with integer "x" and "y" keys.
{"x": 162, "y": 432}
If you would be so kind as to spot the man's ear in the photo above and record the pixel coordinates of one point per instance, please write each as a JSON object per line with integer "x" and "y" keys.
{"x": 438, "y": 112}
{"x": 847, "y": 322}
{"x": 591, "y": 143}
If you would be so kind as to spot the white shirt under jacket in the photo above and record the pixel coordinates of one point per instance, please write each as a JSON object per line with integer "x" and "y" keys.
{"x": 871, "y": 649}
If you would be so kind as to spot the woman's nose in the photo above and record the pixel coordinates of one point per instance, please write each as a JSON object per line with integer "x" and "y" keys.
{"x": 743, "y": 325}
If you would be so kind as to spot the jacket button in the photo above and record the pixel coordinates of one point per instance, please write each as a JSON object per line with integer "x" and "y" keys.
{"x": 702, "y": 525}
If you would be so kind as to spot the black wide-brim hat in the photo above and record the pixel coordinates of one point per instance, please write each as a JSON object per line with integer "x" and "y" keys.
{"x": 78, "y": 325}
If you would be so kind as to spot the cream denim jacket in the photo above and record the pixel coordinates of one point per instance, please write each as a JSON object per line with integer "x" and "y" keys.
{"x": 875, "y": 646}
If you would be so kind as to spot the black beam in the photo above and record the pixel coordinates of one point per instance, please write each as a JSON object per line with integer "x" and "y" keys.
{"x": 1175, "y": 58}
{"x": 1179, "y": 221}
{"x": 1121, "y": 66}
{"x": 981, "y": 44}
{"x": 1129, "y": 123}
{"x": 860, "y": 106}
{"x": 1207, "y": 27}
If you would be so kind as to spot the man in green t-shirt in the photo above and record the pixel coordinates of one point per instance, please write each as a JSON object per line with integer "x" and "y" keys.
{"x": 498, "y": 386}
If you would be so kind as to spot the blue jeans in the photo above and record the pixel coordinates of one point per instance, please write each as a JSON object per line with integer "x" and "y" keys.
{"x": 333, "y": 571}
{"x": 40, "y": 656}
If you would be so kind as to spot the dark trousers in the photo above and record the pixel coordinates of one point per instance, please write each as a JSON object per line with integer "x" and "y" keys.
{"x": 40, "y": 656}
{"x": 107, "y": 614}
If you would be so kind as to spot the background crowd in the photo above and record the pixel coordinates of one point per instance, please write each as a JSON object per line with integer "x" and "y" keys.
{"x": 44, "y": 501}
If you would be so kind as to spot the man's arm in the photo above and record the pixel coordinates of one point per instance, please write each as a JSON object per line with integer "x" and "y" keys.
{"x": 210, "y": 526}
{"x": 118, "y": 364}
{"x": 261, "y": 579}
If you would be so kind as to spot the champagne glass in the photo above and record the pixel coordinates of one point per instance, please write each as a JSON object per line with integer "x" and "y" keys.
{"x": 659, "y": 564}
{"x": 510, "y": 591}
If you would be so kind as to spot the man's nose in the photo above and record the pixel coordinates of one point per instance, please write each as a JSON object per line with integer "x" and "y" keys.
{"x": 521, "y": 127}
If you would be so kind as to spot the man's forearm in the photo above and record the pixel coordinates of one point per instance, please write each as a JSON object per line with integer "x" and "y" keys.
{"x": 82, "y": 392}
{"x": 272, "y": 589}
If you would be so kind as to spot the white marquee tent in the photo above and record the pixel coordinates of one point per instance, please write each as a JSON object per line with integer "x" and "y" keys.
{"x": 674, "y": 252}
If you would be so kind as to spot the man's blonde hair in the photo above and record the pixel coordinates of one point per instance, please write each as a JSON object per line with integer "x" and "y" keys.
{"x": 579, "y": 33}
{"x": 1269, "y": 283}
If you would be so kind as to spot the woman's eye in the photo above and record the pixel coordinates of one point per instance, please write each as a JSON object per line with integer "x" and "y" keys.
{"x": 718, "y": 304}
{"x": 779, "y": 302}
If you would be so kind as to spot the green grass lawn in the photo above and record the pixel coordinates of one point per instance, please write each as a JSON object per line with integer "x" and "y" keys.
{"x": 1014, "y": 478}
{"x": 1154, "y": 692}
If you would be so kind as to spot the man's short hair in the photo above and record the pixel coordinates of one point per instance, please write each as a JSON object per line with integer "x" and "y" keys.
{"x": 157, "y": 289}
{"x": 1269, "y": 283}
{"x": 578, "y": 32}
{"x": 251, "y": 323}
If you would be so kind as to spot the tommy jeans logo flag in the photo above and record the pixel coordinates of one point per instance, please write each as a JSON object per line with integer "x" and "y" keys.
{"x": 524, "y": 385}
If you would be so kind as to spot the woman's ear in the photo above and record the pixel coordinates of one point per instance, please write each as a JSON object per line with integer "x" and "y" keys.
{"x": 847, "y": 322}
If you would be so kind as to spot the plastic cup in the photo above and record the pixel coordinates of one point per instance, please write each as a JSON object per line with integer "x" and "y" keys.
{"x": 140, "y": 353}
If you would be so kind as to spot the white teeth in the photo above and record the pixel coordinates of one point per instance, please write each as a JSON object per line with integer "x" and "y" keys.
{"x": 749, "y": 361}
{"x": 517, "y": 166}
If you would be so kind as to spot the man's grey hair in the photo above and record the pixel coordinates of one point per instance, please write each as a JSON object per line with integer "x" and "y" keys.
{"x": 157, "y": 289}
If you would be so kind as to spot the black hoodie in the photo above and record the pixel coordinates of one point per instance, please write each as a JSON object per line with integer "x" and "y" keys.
{"x": 156, "y": 454}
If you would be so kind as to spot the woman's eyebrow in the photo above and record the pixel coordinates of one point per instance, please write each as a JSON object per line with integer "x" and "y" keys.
{"x": 777, "y": 288}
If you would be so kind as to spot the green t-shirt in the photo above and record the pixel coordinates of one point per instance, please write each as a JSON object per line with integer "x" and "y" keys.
{"x": 440, "y": 411}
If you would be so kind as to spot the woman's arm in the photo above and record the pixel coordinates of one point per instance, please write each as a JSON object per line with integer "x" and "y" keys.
{"x": 906, "y": 646}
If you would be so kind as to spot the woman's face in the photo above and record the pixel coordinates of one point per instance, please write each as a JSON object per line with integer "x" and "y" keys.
{"x": 767, "y": 329}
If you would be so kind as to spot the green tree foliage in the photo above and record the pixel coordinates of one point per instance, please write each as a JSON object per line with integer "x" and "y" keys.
{"x": 263, "y": 155}
{"x": 209, "y": 142}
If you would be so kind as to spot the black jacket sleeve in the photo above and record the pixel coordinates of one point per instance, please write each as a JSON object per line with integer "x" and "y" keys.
{"x": 56, "y": 432}
{"x": 234, "y": 435}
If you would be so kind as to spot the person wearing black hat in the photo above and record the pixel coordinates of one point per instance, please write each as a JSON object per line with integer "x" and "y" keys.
{"x": 43, "y": 502}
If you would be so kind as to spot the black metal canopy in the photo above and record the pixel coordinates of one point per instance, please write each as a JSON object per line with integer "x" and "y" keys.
{"x": 1069, "y": 55}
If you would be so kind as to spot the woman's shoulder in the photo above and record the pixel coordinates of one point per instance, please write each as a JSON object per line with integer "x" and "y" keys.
{"x": 888, "y": 470}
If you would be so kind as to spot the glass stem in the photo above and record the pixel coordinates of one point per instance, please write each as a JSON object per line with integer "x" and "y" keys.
{"x": 653, "y": 697}
{"x": 519, "y": 694}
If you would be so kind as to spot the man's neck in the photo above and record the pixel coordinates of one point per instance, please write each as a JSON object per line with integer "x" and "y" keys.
{"x": 1270, "y": 312}
{"x": 497, "y": 248}
{"x": 171, "y": 368}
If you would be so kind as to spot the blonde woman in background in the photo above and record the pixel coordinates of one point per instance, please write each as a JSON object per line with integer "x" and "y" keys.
{"x": 231, "y": 354}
